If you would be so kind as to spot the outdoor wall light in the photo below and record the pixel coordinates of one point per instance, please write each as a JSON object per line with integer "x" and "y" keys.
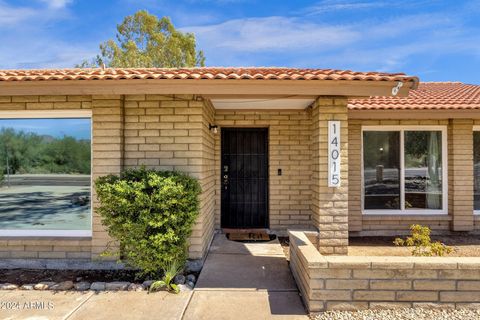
{"x": 213, "y": 128}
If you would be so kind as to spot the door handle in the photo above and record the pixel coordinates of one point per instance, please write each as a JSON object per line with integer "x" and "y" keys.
{"x": 225, "y": 177}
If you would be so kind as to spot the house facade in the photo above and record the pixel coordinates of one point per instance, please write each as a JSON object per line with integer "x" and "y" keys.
{"x": 338, "y": 152}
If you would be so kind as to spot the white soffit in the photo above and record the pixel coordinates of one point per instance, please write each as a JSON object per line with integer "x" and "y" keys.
{"x": 236, "y": 104}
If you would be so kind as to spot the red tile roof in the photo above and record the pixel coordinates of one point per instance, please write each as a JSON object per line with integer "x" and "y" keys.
{"x": 428, "y": 96}
{"x": 261, "y": 73}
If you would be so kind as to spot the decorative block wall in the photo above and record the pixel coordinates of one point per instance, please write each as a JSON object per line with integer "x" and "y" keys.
{"x": 356, "y": 283}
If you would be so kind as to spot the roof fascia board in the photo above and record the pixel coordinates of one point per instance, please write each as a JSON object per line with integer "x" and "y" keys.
{"x": 205, "y": 87}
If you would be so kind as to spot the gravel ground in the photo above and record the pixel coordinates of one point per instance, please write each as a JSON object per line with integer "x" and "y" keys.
{"x": 402, "y": 314}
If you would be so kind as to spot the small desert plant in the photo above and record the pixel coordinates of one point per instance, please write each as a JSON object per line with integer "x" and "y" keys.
{"x": 422, "y": 244}
{"x": 169, "y": 272}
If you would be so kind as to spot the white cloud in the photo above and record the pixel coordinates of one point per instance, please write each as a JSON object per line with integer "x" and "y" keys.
{"x": 10, "y": 15}
{"x": 33, "y": 45}
{"x": 271, "y": 33}
{"x": 339, "y": 5}
{"x": 381, "y": 44}
{"x": 57, "y": 4}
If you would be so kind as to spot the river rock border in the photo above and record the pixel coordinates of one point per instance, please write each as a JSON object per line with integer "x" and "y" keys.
{"x": 184, "y": 283}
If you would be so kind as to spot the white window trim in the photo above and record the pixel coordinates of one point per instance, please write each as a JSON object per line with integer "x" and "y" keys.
{"x": 402, "y": 211}
{"x": 52, "y": 114}
{"x": 475, "y": 128}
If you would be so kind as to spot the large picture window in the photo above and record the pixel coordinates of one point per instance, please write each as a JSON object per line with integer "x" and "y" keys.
{"x": 45, "y": 176}
{"x": 404, "y": 170}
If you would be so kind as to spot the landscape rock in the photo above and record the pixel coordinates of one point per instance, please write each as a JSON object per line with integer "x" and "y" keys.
{"x": 179, "y": 279}
{"x": 82, "y": 286}
{"x": 192, "y": 278}
{"x": 184, "y": 287}
{"x": 117, "y": 286}
{"x": 193, "y": 266}
{"x": 98, "y": 286}
{"x": 28, "y": 286}
{"x": 147, "y": 283}
{"x": 44, "y": 285}
{"x": 400, "y": 314}
{"x": 8, "y": 286}
{"x": 191, "y": 284}
{"x": 62, "y": 286}
{"x": 79, "y": 279}
{"x": 135, "y": 287}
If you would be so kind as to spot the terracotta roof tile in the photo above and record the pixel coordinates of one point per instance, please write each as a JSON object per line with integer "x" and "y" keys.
{"x": 428, "y": 96}
{"x": 260, "y": 73}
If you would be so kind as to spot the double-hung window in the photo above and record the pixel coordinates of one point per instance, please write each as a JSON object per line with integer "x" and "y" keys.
{"x": 45, "y": 173}
{"x": 404, "y": 170}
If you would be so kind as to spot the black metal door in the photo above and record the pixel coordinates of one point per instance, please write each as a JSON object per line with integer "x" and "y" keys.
{"x": 244, "y": 178}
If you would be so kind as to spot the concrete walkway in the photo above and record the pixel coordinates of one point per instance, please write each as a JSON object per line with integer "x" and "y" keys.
{"x": 245, "y": 281}
{"x": 42, "y": 305}
{"x": 238, "y": 281}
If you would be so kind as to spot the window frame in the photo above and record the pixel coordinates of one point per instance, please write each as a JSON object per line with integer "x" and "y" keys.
{"x": 402, "y": 211}
{"x": 475, "y": 128}
{"x": 53, "y": 114}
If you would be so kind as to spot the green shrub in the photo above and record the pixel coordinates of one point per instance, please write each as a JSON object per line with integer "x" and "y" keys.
{"x": 151, "y": 214}
{"x": 421, "y": 242}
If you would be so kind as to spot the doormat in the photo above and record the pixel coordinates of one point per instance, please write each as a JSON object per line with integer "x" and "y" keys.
{"x": 250, "y": 237}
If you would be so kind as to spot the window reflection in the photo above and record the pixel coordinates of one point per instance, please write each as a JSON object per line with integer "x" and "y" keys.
{"x": 45, "y": 174}
{"x": 381, "y": 169}
{"x": 423, "y": 170}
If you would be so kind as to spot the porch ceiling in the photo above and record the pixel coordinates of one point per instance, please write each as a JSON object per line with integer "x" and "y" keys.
{"x": 262, "y": 103}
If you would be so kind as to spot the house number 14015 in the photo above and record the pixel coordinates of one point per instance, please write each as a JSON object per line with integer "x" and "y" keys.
{"x": 334, "y": 154}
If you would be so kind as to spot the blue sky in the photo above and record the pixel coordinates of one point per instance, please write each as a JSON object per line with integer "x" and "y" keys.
{"x": 436, "y": 40}
{"x": 78, "y": 128}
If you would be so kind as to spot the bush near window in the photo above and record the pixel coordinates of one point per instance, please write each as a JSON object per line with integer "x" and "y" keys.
{"x": 422, "y": 244}
{"x": 151, "y": 214}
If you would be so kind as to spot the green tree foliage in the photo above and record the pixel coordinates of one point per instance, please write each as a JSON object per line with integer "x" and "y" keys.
{"x": 151, "y": 214}
{"x": 422, "y": 244}
{"x": 33, "y": 153}
{"x": 145, "y": 41}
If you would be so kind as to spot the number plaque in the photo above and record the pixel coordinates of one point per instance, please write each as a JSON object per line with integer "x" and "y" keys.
{"x": 334, "y": 154}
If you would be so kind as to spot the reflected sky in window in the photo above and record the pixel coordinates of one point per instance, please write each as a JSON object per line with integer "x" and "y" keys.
{"x": 74, "y": 127}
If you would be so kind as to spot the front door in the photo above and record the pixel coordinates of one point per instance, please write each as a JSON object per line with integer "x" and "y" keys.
{"x": 244, "y": 178}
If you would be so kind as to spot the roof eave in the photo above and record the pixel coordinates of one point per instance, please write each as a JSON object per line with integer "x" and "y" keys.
{"x": 218, "y": 87}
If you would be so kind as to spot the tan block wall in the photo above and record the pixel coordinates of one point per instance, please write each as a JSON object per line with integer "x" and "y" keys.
{"x": 460, "y": 190}
{"x": 107, "y": 158}
{"x": 460, "y": 173}
{"x": 162, "y": 132}
{"x": 355, "y": 283}
{"x": 289, "y": 150}
{"x": 170, "y": 132}
{"x": 330, "y": 205}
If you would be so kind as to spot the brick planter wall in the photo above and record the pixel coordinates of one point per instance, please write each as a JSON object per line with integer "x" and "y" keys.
{"x": 354, "y": 283}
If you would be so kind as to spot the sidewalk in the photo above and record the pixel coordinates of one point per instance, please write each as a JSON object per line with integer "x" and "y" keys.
{"x": 238, "y": 281}
{"x": 91, "y": 305}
